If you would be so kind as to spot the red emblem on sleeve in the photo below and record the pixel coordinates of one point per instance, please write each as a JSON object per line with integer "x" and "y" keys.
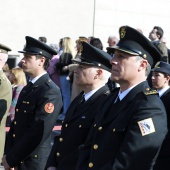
{"x": 49, "y": 107}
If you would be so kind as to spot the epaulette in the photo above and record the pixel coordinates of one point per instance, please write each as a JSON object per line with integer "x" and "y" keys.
{"x": 149, "y": 91}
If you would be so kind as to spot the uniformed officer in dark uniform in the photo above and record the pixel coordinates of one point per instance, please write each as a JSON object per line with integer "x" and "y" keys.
{"x": 131, "y": 125}
{"x": 28, "y": 142}
{"x": 91, "y": 75}
{"x": 161, "y": 82}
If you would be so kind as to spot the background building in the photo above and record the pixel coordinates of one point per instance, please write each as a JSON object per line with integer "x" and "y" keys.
{"x": 56, "y": 19}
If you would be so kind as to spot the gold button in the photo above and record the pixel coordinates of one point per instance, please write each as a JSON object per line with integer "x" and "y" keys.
{"x": 13, "y": 135}
{"x": 60, "y": 139}
{"x": 24, "y": 111}
{"x": 114, "y": 130}
{"x": 17, "y": 110}
{"x": 24, "y": 102}
{"x": 58, "y": 154}
{"x": 28, "y": 102}
{"x": 95, "y": 146}
{"x": 147, "y": 89}
{"x": 35, "y": 156}
{"x": 90, "y": 165}
{"x": 79, "y": 126}
{"x": 66, "y": 125}
{"x": 15, "y": 122}
{"x": 100, "y": 128}
{"x": 94, "y": 125}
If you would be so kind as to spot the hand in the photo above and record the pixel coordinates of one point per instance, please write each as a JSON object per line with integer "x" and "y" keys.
{"x": 52, "y": 168}
{"x": 5, "y": 164}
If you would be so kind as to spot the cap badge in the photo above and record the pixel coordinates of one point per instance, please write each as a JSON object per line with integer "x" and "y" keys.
{"x": 123, "y": 32}
{"x": 157, "y": 65}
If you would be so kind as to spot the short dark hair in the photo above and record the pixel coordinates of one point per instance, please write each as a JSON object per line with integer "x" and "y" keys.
{"x": 159, "y": 32}
{"x": 43, "y": 39}
{"x": 46, "y": 63}
{"x": 96, "y": 42}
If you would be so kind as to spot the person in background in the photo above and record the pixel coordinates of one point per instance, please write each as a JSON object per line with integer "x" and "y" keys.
{"x": 6, "y": 69}
{"x": 18, "y": 80}
{"x": 96, "y": 42}
{"x": 91, "y": 76}
{"x": 75, "y": 90}
{"x": 112, "y": 42}
{"x": 161, "y": 82}
{"x": 5, "y": 96}
{"x": 62, "y": 66}
{"x": 29, "y": 138}
{"x": 89, "y": 39}
{"x": 132, "y": 122}
{"x": 43, "y": 39}
{"x": 53, "y": 73}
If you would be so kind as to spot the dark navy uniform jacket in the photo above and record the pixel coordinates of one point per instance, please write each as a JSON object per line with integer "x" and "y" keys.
{"x": 75, "y": 128}
{"x": 163, "y": 160}
{"x": 28, "y": 141}
{"x": 127, "y": 135}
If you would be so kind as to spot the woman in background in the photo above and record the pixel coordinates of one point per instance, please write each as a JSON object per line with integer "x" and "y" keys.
{"x": 62, "y": 66}
{"x": 18, "y": 80}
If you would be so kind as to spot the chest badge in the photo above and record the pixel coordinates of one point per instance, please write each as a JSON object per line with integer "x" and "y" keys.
{"x": 49, "y": 107}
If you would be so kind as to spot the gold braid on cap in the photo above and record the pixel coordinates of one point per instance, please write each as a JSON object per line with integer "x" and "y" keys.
{"x": 157, "y": 65}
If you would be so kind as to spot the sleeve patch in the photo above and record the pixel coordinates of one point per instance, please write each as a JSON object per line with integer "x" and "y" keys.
{"x": 49, "y": 107}
{"x": 146, "y": 126}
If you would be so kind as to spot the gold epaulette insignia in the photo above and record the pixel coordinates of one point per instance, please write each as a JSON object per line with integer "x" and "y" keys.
{"x": 151, "y": 92}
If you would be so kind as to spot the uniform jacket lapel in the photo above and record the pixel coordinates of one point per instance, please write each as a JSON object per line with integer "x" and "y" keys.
{"x": 77, "y": 109}
{"x": 26, "y": 93}
{"x": 119, "y": 108}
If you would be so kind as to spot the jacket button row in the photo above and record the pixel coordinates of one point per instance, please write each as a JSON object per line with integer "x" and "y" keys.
{"x": 60, "y": 139}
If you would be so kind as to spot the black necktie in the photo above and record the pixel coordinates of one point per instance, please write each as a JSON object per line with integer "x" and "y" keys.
{"x": 28, "y": 86}
{"x": 117, "y": 100}
{"x": 82, "y": 99}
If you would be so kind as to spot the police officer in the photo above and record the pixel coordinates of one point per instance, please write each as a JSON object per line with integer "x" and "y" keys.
{"x": 161, "y": 82}
{"x": 28, "y": 142}
{"x": 91, "y": 76}
{"x": 131, "y": 125}
{"x": 5, "y": 96}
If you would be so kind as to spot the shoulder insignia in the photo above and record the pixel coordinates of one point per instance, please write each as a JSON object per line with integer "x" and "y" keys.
{"x": 150, "y": 92}
{"x": 49, "y": 107}
{"x": 146, "y": 126}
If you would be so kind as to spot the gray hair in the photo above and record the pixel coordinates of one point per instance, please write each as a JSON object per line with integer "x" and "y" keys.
{"x": 148, "y": 68}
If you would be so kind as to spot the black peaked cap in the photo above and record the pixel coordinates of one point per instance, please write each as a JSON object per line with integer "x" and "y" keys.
{"x": 135, "y": 43}
{"x": 4, "y": 49}
{"x": 35, "y": 47}
{"x": 91, "y": 55}
{"x": 162, "y": 67}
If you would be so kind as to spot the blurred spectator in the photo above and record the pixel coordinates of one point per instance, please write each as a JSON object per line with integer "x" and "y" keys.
{"x": 164, "y": 40}
{"x": 112, "y": 41}
{"x": 62, "y": 66}
{"x": 89, "y": 39}
{"x": 96, "y": 42}
{"x": 5, "y": 69}
{"x": 53, "y": 73}
{"x": 75, "y": 88}
{"x": 18, "y": 80}
{"x": 43, "y": 39}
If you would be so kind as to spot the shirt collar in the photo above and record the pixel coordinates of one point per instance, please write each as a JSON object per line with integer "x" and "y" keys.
{"x": 162, "y": 91}
{"x": 36, "y": 78}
